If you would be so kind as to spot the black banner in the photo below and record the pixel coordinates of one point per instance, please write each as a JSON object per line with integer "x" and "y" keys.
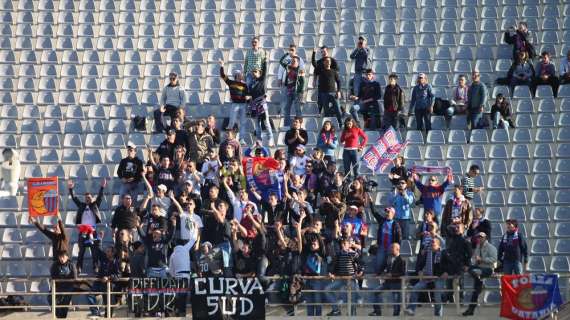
{"x": 157, "y": 294}
{"x": 227, "y": 298}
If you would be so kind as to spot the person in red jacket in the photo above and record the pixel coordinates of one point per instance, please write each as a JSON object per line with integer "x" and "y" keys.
{"x": 353, "y": 139}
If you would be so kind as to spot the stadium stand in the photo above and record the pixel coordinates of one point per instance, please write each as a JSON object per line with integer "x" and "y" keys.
{"x": 73, "y": 75}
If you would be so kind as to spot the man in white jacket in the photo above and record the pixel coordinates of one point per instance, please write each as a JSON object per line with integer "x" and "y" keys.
{"x": 179, "y": 266}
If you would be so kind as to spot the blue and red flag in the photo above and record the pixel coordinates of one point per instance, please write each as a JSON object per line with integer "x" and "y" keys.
{"x": 529, "y": 296}
{"x": 264, "y": 175}
{"x": 42, "y": 196}
{"x": 381, "y": 154}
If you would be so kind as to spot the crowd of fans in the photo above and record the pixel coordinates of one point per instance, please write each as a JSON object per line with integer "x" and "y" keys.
{"x": 187, "y": 210}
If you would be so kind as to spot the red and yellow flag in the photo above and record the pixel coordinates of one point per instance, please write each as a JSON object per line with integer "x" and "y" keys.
{"x": 43, "y": 197}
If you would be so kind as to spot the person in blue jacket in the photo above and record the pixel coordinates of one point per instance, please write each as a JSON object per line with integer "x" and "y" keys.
{"x": 422, "y": 103}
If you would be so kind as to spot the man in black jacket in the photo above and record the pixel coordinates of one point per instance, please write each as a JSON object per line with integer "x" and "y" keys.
{"x": 365, "y": 99}
{"x": 87, "y": 214}
{"x": 431, "y": 263}
{"x": 389, "y": 232}
{"x": 62, "y": 268}
{"x": 130, "y": 171}
{"x": 394, "y": 267}
{"x": 108, "y": 271}
{"x": 460, "y": 251}
{"x": 156, "y": 245}
{"x": 124, "y": 217}
{"x": 329, "y": 90}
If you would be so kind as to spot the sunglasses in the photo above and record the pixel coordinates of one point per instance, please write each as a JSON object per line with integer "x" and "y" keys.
{"x": 172, "y": 78}
{"x": 433, "y": 180}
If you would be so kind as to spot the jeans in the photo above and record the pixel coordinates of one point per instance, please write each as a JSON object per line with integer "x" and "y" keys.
{"x": 477, "y": 273}
{"x": 328, "y": 98}
{"x": 100, "y": 288}
{"x": 293, "y": 100}
{"x": 381, "y": 256}
{"x": 314, "y": 299}
{"x": 84, "y": 242}
{"x": 423, "y": 117}
{"x": 422, "y": 285}
{"x": 350, "y": 159}
{"x": 405, "y": 226}
{"x": 261, "y": 120}
{"x": 475, "y": 119}
{"x": 356, "y": 81}
{"x": 154, "y": 272}
{"x": 512, "y": 267}
{"x": 248, "y": 79}
{"x": 238, "y": 109}
{"x": 396, "y": 297}
{"x": 342, "y": 286}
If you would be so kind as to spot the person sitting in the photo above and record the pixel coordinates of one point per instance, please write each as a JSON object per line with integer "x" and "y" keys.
{"x": 546, "y": 73}
{"x": 459, "y": 97}
{"x": 501, "y": 113}
{"x": 521, "y": 71}
{"x": 483, "y": 262}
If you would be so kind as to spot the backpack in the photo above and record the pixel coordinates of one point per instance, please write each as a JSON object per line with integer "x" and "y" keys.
{"x": 139, "y": 123}
{"x": 440, "y": 106}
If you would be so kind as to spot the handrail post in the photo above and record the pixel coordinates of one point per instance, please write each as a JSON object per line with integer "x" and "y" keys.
{"x": 108, "y": 298}
{"x": 349, "y": 298}
{"x": 402, "y": 295}
{"x": 53, "y": 300}
{"x": 456, "y": 295}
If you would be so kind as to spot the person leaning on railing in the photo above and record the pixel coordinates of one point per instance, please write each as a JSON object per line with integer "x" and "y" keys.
{"x": 62, "y": 268}
{"x": 108, "y": 271}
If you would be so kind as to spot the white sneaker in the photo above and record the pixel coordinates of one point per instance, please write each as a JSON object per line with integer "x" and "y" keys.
{"x": 271, "y": 142}
{"x": 409, "y": 312}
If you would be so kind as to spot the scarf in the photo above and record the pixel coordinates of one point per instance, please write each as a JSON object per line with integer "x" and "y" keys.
{"x": 432, "y": 169}
{"x": 511, "y": 240}
{"x": 326, "y": 136}
{"x": 456, "y": 207}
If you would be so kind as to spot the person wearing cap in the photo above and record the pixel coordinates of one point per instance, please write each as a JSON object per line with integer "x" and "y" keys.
{"x": 130, "y": 171}
{"x": 501, "y": 113}
{"x": 389, "y": 232}
{"x": 172, "y": 98}
{"x": 362, "y": 62}
{"x": 294, "y": 85}
{"x": 483, "y": 262}
{"x": 421, "y": 104}
{"x": 200, "y": 143}
{"x": 168, "y": 146}
{"x": 476, "y": 100}
{"x": 238, "y": 91}
{"x": 9, "y": 172}
{"x": 257, "y": 104}
{"x": 393, "y": 102}
{"x": 366, "y": 100}
{"x": 255, "y": 59}
{"x": 513, "y": 251}
{"x": 299, "y": 160}
{"x": 329, "y": 90}
{"x": 402, "y": 201}
{"x": 209, "y": 261}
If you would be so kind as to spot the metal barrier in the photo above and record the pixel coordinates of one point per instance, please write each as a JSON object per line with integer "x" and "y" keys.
{"x": 349, "y": 303}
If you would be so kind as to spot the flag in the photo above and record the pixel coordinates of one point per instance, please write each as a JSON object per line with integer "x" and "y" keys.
{"x": 529, "y": 296}
{"x": 383, "y": 151}
{"x": 432, "y": 169}
{"x": 264, "y": 175}
{"x": 42, "y": 196}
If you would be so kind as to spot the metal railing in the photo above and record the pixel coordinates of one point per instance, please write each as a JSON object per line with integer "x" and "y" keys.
{"x": 404, "y": 290}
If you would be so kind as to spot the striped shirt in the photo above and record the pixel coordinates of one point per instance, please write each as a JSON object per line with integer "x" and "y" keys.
{"x": 468, "y": 184}
{"x": 345, "y": 263}
{"x": 254, "y": 60}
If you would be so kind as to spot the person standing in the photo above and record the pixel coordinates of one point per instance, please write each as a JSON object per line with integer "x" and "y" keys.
{"x": 58, "y": 236}
{"x": 432, "y": 262}
{"x": 255, "y": 59}
{"x": 395, "y": 268}
{"x": 295, "y": 136}
{"x": 353, "y": 140}
{"x": 422, "y": 102}
{"x": 329, "y": 90}
{"x": 476, "y": 100}
{"x": 362, "y": 61}
{"x": 459, "y": 97}
{"x": 258, "y": 105}
{"x": 179, "y": 266}
{"x": 282, "y": 72}
{"x": 366, "y": 102}
{"x": 483, "y": 262}
{"x": 87, "y": 215}
{"x": 432, "y": 192}
{"x": 389, "y": 233}
{"x": 238, "y": 90}
{"x": 327, "y": 141}
{"x": 318, "y": 65}
{"x": 402, "y": 201}
{"x": 468, "y": 183}
{"x": 63, "y": 269}
{"x": 458, "y": 210}
{"x": 345, "y": 264}
{"x": 513, "y": 251}
{"x": 520, "y": 38}
{"x": 172, "y": 98}
{"x": 393, "y": 102}
{"x": 294, "y": 84}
